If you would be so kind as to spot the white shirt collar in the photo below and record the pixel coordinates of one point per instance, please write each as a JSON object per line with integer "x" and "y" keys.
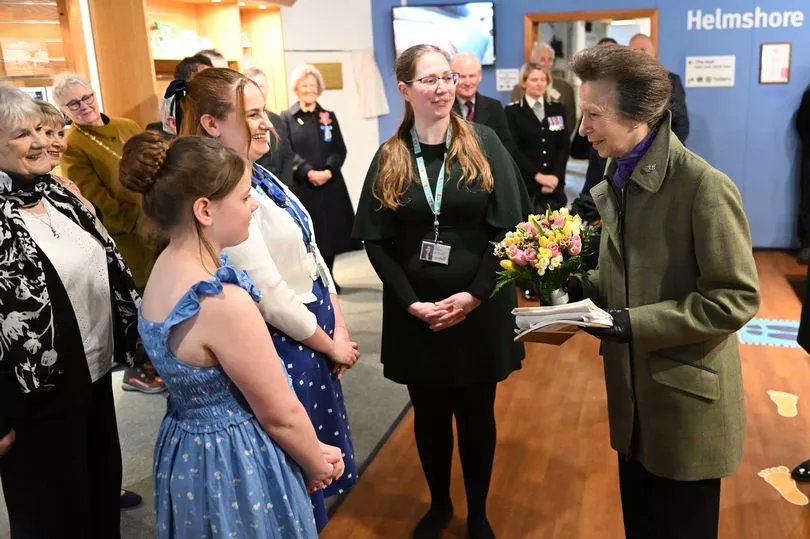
{"x": 530, "y": 101}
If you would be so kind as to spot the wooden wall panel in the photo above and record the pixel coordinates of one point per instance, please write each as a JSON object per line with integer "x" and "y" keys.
{"x": 221, "y": 24}
{"x": 125, "y": 65}
{"x": 181, "y": 14}
{"x": 263, "y": 28}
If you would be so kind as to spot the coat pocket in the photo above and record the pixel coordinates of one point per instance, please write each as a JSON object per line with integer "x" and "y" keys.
{"x": 685, "y": 372}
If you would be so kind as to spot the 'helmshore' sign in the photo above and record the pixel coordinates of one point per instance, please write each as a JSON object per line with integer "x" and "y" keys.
{"x": 697, "y": 19}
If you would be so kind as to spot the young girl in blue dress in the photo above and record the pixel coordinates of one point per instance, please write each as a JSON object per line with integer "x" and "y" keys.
{"x": 236, "y": 452}
{"x": 299, "y": 302}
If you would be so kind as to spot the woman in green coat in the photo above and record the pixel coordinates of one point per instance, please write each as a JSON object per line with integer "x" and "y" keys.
{"x": 677, "y": 272}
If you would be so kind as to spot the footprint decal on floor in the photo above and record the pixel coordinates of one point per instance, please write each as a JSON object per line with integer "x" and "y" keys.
{"x": 779, "y": 478}
{"x": 786, "y": 403}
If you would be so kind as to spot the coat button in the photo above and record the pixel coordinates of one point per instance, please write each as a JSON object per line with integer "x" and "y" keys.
{"x": 545, "y": 164}
{"x": 544, "y": 152}
{"x": 542, "y": 140}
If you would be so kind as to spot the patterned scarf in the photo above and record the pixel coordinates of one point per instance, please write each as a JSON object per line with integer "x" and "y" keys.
{"x": 27, "y": 331}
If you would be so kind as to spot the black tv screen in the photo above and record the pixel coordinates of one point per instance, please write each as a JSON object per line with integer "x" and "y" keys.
{"x": 454, "y": 28}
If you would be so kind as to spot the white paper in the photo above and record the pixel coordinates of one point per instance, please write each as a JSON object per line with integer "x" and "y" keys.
{"x": 506, "y": 79}
{"x": 774, "y": 63}
{"x": 710, "y": 71}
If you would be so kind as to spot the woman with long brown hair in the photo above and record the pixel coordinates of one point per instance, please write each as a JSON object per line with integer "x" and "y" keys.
{"x": 281, "y": 255}
{"x": 429, "y": 239}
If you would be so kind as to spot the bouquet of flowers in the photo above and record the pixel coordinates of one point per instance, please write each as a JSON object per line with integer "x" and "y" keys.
{"x": 541, "y": 253}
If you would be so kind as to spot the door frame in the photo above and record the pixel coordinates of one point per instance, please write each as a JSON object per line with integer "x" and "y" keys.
{"x": 530, "y": 21}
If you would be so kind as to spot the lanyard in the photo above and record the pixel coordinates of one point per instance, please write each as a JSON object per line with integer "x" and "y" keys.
{"x": 270, "y": 186}
{"x": 435, "y": 204}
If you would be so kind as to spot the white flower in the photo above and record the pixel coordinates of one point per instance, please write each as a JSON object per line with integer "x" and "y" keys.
{"x": 5, "y": 181}
{"x": 22, "y": 291}
{"x": 14, "y": 325}
{"x": 32, "y": 345}
{"x": 48, "y": 358}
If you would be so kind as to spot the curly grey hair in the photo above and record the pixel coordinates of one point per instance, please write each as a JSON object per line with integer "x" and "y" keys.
{"x": 62, "y": 83}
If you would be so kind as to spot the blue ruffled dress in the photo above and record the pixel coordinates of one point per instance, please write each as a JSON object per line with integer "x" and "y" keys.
{"x": 217, "y": 473}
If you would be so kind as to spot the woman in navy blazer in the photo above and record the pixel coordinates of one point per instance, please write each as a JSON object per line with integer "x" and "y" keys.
{"x": 541, "y": 139}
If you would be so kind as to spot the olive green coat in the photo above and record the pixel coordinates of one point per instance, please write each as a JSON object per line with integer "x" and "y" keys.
{"x": 94, "y": 169}
{"x": 679, "y": 258}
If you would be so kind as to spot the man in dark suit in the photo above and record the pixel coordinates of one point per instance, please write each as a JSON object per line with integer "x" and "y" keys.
{"x": 677, "y": 100}
{"x": 803, "y": 128}
{"x": 474, "y": 106}
{"x": 802, "y": 471}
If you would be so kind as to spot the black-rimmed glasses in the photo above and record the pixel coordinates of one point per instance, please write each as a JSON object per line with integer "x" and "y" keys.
{"x": 431, "y": 81}
{"x": 76, "y": 104}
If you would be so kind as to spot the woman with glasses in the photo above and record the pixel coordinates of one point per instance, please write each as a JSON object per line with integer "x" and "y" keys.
{"x": 319, "y": 154}
{"x": 436, "y": 196}
{"x": 542, "y": 141}
{"x": 94, "y": 145}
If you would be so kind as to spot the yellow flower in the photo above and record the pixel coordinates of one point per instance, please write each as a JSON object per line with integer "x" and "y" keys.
{"x": 507, "y": 265}
{"x": 544, "y": 253}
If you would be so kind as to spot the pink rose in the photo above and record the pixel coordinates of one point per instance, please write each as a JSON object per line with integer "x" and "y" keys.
{"x": 516, "y": 255}
{"x": 559, "y": 222}
{"x": 530, "y": 254}
{"x": 555, "y": 249}
{"x": 576, "y": 245}
{"x": 529, "y": 230}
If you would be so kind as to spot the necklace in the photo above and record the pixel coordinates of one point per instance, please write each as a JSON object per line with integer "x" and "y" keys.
{"x": 47, "y": 222}
{"x": 95, "y": 139}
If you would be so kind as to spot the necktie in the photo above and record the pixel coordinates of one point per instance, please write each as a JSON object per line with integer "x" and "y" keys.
{"x": 537, "y": 108}
{"x": 470, "y": 111}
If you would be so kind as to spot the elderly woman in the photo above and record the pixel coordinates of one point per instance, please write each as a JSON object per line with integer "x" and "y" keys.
{"x": 94, "y": 146}
{"x": 541, "y": 139}
{"x": 319, "y": 153}
{"x": 67, "y": 308}
{"x": 677, "y": 273}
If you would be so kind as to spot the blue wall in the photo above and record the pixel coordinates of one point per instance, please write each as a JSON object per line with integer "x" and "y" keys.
{"x": 746, "y": 131}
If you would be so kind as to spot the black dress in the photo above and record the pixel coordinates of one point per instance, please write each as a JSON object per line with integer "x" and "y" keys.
{"x": 318, "y": 144}
{"x": 540, "y": 147}
{"x": 480, "y": 349}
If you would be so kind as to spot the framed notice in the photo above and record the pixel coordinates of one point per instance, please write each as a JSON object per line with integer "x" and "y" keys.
{"x": 774, "y": 63}
{"x": 25, "y": 58}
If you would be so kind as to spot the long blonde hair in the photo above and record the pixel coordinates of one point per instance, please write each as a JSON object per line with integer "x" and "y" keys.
{"x": 396, "y": 170}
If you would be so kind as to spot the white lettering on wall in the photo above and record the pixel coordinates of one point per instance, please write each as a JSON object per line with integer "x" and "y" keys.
{"x": 697, "y": 19}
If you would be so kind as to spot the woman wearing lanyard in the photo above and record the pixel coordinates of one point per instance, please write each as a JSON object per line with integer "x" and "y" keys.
{"x": 435, "y": 197}
{"x": 298, "y": 302}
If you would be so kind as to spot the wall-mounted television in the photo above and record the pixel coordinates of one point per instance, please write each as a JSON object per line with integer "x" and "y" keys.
{"x": 468, "y": 27}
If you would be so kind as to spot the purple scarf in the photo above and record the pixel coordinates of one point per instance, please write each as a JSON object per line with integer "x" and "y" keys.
{"x": 627, "y": 163}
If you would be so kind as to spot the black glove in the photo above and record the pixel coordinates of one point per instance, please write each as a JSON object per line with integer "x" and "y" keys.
{"x": 620, "y": 332}
{"x": 574, "y": 289}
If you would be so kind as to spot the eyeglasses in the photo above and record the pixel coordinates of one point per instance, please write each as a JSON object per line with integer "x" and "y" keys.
{"x": 431, "y": 81}
{"x": 76, "y": 104}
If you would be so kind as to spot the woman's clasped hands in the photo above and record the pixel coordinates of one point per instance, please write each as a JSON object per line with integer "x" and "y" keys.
{"x": 446, "y": 313}
{"x": 331, "y": 470}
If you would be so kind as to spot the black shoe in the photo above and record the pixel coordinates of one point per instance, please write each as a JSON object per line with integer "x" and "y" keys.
{"x": 801, "y": 472}
{"x": 434, "y": 521}
{"x": 479, "y": 528}
{"x": 130, "y": 500}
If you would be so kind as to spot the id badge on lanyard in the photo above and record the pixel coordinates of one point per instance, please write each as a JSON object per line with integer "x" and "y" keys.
{"x": 434, "y": 251}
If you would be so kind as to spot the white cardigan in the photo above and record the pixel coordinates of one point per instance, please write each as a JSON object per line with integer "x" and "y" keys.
{"x": 275, "y": 257}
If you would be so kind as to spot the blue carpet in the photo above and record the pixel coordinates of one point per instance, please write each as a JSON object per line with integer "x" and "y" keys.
{"x": 767, "y": 332}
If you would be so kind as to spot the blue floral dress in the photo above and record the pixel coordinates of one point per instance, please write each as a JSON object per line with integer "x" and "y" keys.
{"x": 311, "y": 371}
{"x": 217, "y": 472}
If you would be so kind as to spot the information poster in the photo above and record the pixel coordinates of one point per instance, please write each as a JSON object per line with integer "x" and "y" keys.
{"x": 710, "y": 71}
{"x": 774, "y": 63}
{"x": 506, "y": 79}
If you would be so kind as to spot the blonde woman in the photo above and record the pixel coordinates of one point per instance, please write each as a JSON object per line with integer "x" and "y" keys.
{"x": 319, "y": 154}
{"x": 443, "y": 336}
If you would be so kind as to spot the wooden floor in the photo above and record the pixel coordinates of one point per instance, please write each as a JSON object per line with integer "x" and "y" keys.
{"x": 555, "y": 474}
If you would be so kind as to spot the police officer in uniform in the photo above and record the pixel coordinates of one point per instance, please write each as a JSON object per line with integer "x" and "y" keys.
{"x": 542, "y": 141}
